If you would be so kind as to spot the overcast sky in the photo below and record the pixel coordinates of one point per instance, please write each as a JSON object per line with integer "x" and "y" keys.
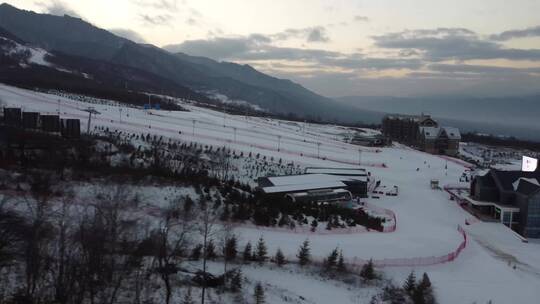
{"x": 342, "y": 47}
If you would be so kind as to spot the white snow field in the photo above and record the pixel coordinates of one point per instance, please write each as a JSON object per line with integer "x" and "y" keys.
{"x": 427, "y": 220}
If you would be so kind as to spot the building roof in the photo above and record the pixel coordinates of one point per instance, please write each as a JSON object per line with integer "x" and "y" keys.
{"x": 301, "y": 179}
{"x": 430, "y": 132}
{"x": 436, "y": 132}
{"x": 295, "y": 183}
{"x": 304, "y": 187}
{"x": 527, "y": 186}
{"x": 505, "y": 179}
{"x": 337, "y": 171}
{"x": 452, "y": 133}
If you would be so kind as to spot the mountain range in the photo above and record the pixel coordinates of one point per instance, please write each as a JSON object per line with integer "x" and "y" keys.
{"x": 201, "y": 75}
{"x": 87, "y": 59}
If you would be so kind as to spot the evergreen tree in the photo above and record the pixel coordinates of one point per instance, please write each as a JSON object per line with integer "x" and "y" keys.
{"x": 329, "y": 225}
{"x": 230, "y": 250}
{"x": 280, "y": 258}
{"x": 283, "y": 220}
{"x": 368, "y": 271}
{"x": 236, "y": 281}
{"x": 188, "y": 299}
{"x": 410, "y": 283}
{"x": 247, "y": 255}
{"x": 423, "y": 293}
{"x": 261, "y": 251}
{"x": 304, "y": 254}
{"x": 259, "y": 294}
{"x": 314, "y": 225}
{"x": 331, "y": 261}
{"x": 341, "y": 263}
{"x": 394, "y": 295}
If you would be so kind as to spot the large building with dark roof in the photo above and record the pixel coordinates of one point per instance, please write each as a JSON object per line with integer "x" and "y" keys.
{"x": 317, "y": 186}
{"x": 422, "y": 131}
{"x": 513, "y": 197}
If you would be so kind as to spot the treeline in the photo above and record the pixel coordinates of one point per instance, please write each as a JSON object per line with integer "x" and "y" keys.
{"x": 44, "y": 78}
{"x": 510, "y": 142}
{"x": 277, "y": 211}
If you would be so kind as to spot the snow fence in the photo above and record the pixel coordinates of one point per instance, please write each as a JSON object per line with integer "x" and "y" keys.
{"x": 355, "y": 264}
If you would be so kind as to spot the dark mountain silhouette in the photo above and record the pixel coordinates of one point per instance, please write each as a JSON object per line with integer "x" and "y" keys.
{"x": 76, "y": 37}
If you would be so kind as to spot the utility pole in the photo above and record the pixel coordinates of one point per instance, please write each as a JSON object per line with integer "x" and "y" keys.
{"x": 224, "y": 118}
{"x": 90, "y": 111}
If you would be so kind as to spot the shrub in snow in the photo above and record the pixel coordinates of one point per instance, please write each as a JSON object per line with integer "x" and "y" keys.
{"x": 304, "y": 254}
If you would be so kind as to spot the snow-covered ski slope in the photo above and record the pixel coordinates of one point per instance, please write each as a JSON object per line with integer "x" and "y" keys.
{"x": 426, "y": 219}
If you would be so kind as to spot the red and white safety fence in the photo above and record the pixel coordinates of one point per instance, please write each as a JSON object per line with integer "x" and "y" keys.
{"x": 355, "y": 264}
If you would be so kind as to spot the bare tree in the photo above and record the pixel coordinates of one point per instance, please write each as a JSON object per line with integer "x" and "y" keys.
{"x": 38, "y": 237}
{"x": 207, "y": 229}
{"x": 228, "y": 242}
{"x": 173, "y": 237}
{"x": 12, "y": 232}
{"x": 222, "y": 164}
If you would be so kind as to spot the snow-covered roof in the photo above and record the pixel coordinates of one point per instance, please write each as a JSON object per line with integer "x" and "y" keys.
{"x": 293, "y": 183}
{"x": 301, "y": 179}
{"x": 430, "y": 132}
{"x": 302, "y": 187}
{"x": 435, "y": 132}
{"x": 337, "y": 171}
{"x": 452, "y": 133}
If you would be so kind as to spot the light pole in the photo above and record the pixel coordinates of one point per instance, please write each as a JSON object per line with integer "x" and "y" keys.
{"x": 318, "y": 150}
{"x": 90, "y": 111}
{"x": 120, "y": 110}
{"x": 279, "y": 143}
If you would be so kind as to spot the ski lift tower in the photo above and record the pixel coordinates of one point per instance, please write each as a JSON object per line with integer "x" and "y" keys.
{"x": 90, "y": 110}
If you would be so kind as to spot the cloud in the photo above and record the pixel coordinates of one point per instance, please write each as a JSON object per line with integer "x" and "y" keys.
{"x": 128, "y": 34}
{"x": 481, "y": 69}
{"x": 216, "y": 48}
{"x": 452, "y": 44}
{"x": 156, "y": 20}
{"x": 411, "y": 62}
{"x": 359, "y": 18}
{"x": 257, "y": 48}
{"x": 57, "y": 7}
{"x": 309, "y": 34}
{"x": 166, "y": 5}
{"x": 318, "y": 35}
{"x": 507, "y": 35}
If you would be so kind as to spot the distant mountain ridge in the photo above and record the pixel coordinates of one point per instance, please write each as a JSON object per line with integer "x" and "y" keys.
{"x": 516, "y": 110}
{"x": 515, "y": 116}
{"x": 25, "y": 65}
{"x": 73, "y": 36}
